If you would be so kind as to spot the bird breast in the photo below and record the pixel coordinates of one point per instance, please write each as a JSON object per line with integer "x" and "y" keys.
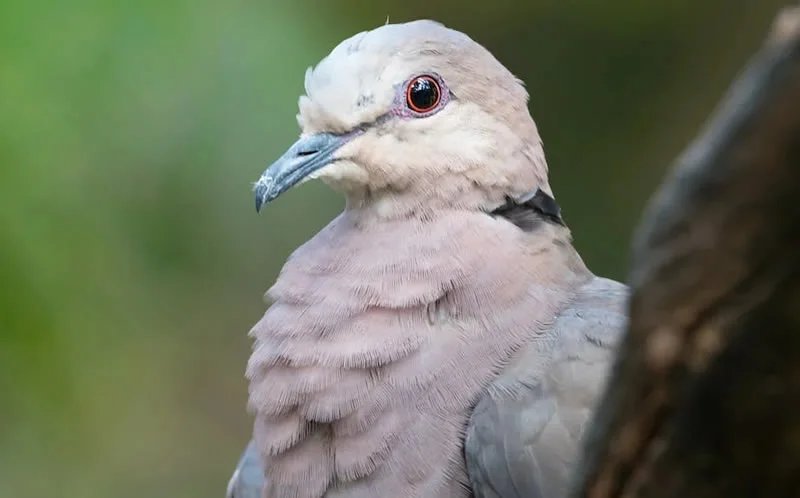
{"x": 380, "y": 339}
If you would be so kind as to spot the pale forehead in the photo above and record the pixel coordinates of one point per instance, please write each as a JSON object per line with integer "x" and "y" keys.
{"x": 393, "y": 39}
{"x": 357, "y": 81}
{"x": 369, "y": 53}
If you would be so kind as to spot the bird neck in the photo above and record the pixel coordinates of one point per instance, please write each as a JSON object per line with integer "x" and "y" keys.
{"x": 420, "y": 202}
{"x": 464, "y": 229}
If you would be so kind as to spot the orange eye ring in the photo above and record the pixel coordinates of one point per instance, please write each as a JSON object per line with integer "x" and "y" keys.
{"x": 423, "y": 94}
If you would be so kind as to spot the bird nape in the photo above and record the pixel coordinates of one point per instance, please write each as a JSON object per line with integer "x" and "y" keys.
{"x": 441, "y": 337}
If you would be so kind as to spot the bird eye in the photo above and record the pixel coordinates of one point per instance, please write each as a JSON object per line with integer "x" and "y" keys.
{"x": 423, "y": 94}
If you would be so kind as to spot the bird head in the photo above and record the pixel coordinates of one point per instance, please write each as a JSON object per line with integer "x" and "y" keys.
{"x": 410, "y": 115}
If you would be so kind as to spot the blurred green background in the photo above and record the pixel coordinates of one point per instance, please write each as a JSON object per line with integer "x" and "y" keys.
{"x": 132, "y": 261}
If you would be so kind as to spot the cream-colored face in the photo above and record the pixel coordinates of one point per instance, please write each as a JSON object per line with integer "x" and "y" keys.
{"x": 404, "y": 105}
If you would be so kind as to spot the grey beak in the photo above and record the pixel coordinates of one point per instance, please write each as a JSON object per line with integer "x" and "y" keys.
{"x": 306, "y": 156}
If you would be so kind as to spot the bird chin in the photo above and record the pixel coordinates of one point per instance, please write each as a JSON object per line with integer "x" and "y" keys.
{"x": 342, "y": 175}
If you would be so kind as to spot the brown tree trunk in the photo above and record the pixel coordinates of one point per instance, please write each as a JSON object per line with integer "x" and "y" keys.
{"x": 704, "y": 397}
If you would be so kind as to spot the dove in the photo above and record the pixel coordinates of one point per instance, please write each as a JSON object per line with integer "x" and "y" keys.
{"x": 441, "y": 337}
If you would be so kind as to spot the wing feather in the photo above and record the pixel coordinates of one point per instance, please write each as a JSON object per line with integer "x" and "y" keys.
{"x": 248, "y": 478}
{"x": 523, "y": 435}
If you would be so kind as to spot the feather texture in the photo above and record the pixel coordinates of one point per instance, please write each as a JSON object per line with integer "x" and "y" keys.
{"x": 356, "y": 391}
{"x": 524, "y": 434}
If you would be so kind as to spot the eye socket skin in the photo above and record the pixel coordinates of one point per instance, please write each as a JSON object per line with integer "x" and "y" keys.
{"x": 423, "y": 94}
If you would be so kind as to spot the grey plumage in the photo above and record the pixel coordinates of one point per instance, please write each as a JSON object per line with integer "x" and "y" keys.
{"x": 247, "y": 480}
{"x": 524, "y": 433}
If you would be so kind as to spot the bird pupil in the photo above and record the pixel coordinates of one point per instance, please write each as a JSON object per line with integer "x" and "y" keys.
{"x": 423, "y": 94}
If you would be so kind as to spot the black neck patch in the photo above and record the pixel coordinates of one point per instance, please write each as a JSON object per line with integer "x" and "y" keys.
{"x": 530, "y": 210}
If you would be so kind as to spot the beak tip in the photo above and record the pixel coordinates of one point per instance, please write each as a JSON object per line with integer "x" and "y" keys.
{"x": 306, "y": 156}
{"x": 261, "y": 197}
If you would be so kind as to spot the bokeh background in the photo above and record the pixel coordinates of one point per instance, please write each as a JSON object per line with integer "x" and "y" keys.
{"x": 132, "y": 262}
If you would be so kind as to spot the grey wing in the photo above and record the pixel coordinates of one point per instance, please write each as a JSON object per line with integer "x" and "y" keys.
{"x": 523, "y": 436}
{"x": 248, "y": 478}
